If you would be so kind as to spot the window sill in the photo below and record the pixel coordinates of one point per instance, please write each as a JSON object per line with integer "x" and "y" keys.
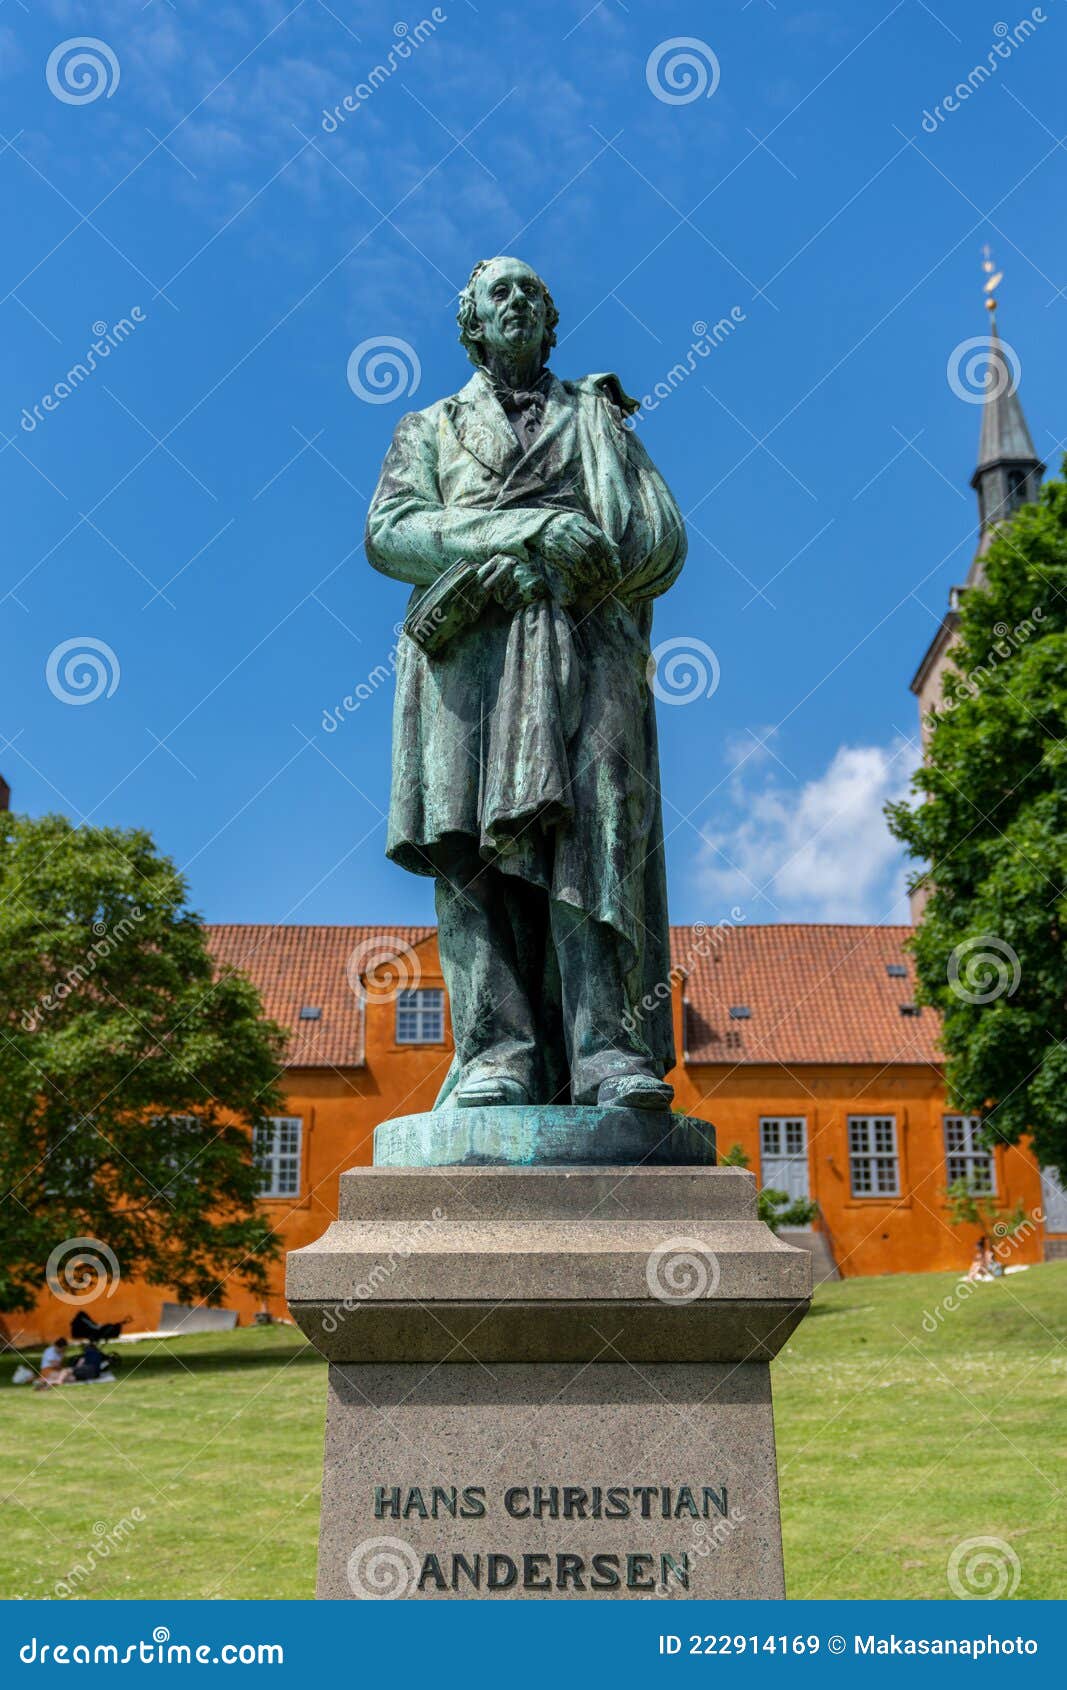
{"x": 886, "y": 1202}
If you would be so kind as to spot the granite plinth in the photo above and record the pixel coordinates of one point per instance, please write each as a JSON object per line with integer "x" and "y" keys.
{"x": 536, "y": 1135}
{"x": 593, "y": 1482}
{"x": 549, "y": 1382}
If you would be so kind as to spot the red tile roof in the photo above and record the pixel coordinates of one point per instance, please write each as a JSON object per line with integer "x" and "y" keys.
{"x": 816, "y": 992}
{"x": 308, "y": 967}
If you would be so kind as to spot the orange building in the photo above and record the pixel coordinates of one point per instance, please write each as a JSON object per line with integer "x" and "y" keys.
{"x": 801, "y": 1043}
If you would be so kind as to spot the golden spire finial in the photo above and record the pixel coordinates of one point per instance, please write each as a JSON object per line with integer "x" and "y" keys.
{"x": 994, "y": 277}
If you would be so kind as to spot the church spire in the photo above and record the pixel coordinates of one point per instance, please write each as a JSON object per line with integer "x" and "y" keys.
{"x": 1009, "y": 471}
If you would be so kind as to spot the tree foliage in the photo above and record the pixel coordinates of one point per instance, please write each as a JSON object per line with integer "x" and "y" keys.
{"x": 130, "y": 1072}
{"x": 991, "y": 950}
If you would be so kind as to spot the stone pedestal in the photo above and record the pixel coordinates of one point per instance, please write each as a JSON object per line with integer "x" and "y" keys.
{"x": 549, "y": 1382}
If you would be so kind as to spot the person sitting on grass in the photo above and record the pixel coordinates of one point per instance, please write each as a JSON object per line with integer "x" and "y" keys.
{"x": 982, "y": 1265}
{"x": 54, "y": 1369}
{"x": 91, "y": 1365}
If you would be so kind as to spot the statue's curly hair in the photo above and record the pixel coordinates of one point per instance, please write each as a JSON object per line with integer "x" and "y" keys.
{"x": 467, "y": 317}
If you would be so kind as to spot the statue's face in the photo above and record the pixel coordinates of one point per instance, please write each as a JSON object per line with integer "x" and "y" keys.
{"x": 510, "y": 301}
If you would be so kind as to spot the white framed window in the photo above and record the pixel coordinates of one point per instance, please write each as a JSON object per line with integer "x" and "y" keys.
{"x": 276, "y": 1144}
{"x": 783, "y": 1135}
{"x": 180, "y": 1159}
{"x": 966, "y": 1158}
{"x": 872, "y": 1156}
{"x": 783, "y": 1141}
{"x": 420, "y": 1016}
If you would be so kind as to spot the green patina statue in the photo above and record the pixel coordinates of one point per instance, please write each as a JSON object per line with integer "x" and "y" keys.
{"x": 536, "y": 532}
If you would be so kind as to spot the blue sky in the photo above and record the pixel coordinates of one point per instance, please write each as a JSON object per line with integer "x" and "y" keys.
{"x": 196, "y": 504}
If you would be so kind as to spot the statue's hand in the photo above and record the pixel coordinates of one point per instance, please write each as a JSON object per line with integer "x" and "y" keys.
{"x": 581, "y": 551}
{"x": 512, "y": 581}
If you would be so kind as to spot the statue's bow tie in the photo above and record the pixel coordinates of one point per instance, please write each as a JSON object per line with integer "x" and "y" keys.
{"x": 525, "y": 399}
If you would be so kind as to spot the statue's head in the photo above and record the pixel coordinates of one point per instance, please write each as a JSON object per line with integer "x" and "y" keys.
{"x": 506, "y": 307}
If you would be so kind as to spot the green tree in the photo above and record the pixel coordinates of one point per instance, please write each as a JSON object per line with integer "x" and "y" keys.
{"x": 969, "y": 1205}
{"x": 991, "y": 951}
{"x": 130, "y": 1072}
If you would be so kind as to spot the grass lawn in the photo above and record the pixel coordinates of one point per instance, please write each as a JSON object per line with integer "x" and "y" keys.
{"x": 894, "y": 1443}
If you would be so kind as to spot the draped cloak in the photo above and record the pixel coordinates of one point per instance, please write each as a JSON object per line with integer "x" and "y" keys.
{"x": 533, "y": 732}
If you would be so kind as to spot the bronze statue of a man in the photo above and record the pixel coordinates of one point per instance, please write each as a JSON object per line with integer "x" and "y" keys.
{"x": 536, "y": 532}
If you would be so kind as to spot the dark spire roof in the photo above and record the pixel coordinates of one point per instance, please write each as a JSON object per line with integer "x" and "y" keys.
{"x": 1009, "y": 471}
{"x": 1005, "y": 436}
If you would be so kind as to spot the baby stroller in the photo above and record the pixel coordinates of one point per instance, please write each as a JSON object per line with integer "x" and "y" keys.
{"x": 85, "y": 1328}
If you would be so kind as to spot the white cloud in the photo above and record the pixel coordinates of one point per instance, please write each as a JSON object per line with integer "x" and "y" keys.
{"x": 820, "y": 851}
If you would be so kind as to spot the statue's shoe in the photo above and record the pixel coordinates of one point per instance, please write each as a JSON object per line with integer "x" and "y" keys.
{"x": 494, "y": 1093}
{"x": 635, "y": 1091}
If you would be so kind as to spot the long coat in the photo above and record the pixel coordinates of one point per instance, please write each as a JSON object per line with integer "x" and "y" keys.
{"x": 533, "y": 731}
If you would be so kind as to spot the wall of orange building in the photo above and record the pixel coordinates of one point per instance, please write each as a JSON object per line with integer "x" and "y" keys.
{"x": 341, "y": 1106}
{"x": 868, "y": 1235}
